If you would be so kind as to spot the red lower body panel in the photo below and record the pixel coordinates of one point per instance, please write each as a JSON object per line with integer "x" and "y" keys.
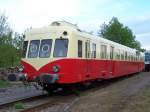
{"x": 79, "y": 70}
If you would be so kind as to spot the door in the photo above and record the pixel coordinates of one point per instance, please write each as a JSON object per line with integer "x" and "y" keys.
{"x": 111, "y": 62}
{"x": 88, "y": 60}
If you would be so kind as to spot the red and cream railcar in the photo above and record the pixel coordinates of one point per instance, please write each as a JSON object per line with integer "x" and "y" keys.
{"x": 63, "y": 54}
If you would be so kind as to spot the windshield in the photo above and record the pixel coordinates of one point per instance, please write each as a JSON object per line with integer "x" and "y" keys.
{"x": 61, "y": 48}
{"x": 45, "y": 48}
{"x": 25, "y": 45}
{"x": 33, "y": 49}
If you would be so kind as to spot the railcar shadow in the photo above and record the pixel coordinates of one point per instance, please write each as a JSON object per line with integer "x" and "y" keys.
{"x": 94, "y": 86}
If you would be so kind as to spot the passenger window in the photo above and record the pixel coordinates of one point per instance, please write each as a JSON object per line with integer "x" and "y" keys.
{"x": 126, "y": 56}
{"x": 25, "y": 46}
{"x": 138, "y": 55}
{"x": 122, "y": 55}
{"x": 61, "y": 48}
{"x": 86, "y": 54}
{"x": 87, "y": 49}
{"x": 103, "y": 51}
{"x": 79, "y": 48}
{"x": 117, "y": 54}
{"x": 94, "y": 50}
{"x": 134, "y": 58}
{"x": 131, "y": 57}
{"x": 111, "y": 52}
{"x": 45, "y": 48}
{"x": 34, "y": 49}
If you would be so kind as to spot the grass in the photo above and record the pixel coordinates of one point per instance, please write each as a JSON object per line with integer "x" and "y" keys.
{"x": 4, "y": 84}
{"x": 19, "y": 105}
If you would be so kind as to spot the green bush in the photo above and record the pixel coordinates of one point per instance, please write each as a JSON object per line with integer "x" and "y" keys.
{"x": 19, "y": 105}
{"x": 4, "y": 84}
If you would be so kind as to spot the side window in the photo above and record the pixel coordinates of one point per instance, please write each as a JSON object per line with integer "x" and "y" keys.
{"x": 87, "y": 50}
{"x": 61, "y": 48}
{"x": 94, "y": 50}
{"x": 79, "y": 48}
{"x": 131, "y": 57}
{"x": 122, "y": 55}
{"x": 126, "y": 56}
{"x": 118, "y": 54}
{"x": 138, "y": 55}
{"x": 103, "y": 51}
{"x": 111, "y": 52}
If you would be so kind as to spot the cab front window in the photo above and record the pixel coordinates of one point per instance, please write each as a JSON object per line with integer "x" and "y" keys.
{"x": 61, "y": 48}
{"x": 45, "y": 48}
{"x": 33, "y": 49}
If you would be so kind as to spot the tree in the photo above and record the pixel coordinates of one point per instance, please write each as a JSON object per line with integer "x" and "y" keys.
{"x": 117, "y": 32}
{"x": 18, "y": 43}
{"x": 18, "y": 40}
{"x": 5, "y": 30}
{"x": 10, "y": 44}
{"x": 8, "y": 55}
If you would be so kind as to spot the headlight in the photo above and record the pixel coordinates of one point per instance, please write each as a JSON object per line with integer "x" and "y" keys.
{"x": 55, "y": 68}
{"x": 21, "y": 68}
{"x": 23, "y": 77}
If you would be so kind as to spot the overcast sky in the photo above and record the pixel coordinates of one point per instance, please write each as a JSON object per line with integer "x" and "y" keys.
{"x": 88, "y": 14}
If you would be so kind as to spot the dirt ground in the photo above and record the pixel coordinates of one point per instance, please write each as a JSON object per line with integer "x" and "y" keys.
{"x": 128, "y": 94}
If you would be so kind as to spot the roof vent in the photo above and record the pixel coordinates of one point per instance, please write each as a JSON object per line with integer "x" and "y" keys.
{"x": 55, "y": 24}
{"x": 64, "y": 23}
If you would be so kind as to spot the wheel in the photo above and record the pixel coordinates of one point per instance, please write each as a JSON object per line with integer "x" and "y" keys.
{"x": 49, "y": 88}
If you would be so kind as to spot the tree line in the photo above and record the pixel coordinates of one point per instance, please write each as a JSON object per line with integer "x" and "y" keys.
{"x": 117, "y": 32}
{"x": 11, "y": 42}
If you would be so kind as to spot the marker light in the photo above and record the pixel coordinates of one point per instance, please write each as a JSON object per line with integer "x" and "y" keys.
{"x": 55, "y": 68}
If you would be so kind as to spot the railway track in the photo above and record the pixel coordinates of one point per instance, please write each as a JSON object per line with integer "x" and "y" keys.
{"x": 22, "y": 99}
{"x": 57, "y": 102}
{"x": 9, "y": 97}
